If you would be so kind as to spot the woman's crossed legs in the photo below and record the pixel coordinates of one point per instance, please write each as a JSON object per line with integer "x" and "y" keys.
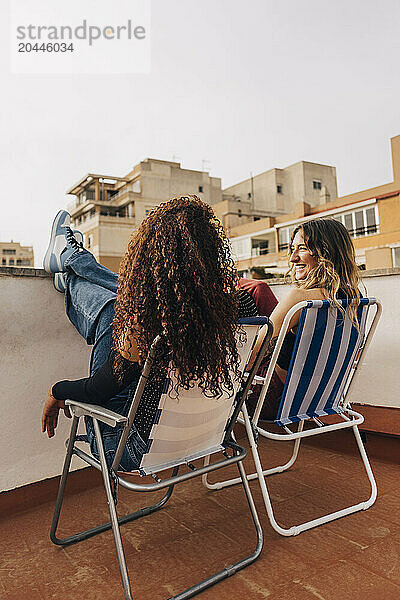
{"x": 89, "y": 301}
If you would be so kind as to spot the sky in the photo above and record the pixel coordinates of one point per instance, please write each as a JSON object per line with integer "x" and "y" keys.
{"x": 246, "y": 86}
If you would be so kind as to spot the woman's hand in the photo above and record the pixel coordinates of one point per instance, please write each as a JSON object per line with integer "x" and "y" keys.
{"x": 50, "y": 413}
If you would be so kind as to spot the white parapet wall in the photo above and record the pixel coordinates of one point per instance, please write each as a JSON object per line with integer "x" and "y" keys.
{"x": 39, "y": 346}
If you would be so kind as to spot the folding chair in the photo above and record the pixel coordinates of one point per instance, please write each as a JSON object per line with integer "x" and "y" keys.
{"x": 326, "y": 357}
{"x": 185, "y": 429}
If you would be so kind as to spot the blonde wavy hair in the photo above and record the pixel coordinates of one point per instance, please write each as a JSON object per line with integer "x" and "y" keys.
{"x": 330, "y": 243}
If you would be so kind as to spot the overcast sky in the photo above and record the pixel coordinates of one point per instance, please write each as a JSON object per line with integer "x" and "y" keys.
{"x": 245, "y": 85}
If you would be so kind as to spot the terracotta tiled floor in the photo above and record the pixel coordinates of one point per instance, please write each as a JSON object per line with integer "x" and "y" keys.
{"x": 356, "y": 557}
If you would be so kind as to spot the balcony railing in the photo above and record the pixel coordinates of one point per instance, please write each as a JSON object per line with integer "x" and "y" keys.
{"x": 363, "y": 231}
{"x": 259, "y": 251}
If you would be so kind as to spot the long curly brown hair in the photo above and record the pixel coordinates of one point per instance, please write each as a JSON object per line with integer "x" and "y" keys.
{"x": 178, "y": 279}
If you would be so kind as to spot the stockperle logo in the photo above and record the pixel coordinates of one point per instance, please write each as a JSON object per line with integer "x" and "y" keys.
{"x": 80, "y": 36}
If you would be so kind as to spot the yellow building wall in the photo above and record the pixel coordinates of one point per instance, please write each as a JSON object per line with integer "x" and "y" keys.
{"x": 111, "y": 262}
{"x": 389, "y": 217}
{"x": 95, "y": 233}
{"x": 378, "y": 258}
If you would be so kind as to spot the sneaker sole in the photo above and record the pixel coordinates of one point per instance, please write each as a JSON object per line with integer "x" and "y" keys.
{"x": 49, "y": 252}
{"x": 59, "y": 282}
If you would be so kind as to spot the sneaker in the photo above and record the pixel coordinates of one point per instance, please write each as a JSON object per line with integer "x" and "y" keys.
{"x": 74, "y": 243}
{"x": 79, "y": 237}
{"x": 52, "y": 260}
{"x": 60, "y": 279}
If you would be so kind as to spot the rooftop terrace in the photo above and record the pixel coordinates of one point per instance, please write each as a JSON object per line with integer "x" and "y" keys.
{"x": 355, "y": 557}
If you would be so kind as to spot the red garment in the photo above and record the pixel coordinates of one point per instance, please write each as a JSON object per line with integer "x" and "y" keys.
{"x": 266, "y": 301}
{"x": 262, "y": 294}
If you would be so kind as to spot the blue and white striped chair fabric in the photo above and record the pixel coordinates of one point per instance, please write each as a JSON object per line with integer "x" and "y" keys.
{"x": 324, "y": 352}
{"x": 193, "y": 425}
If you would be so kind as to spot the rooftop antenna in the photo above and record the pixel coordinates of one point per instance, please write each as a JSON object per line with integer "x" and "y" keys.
{"x": 252, "y": 190}
{"x": 204, "y": 162}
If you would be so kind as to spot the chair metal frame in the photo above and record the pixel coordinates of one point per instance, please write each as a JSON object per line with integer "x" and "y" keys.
{"x": 232, "y": 454}
{"x": 350, "y": 419}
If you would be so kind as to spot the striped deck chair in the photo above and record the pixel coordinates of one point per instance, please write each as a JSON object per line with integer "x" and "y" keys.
{"x": 184, "y": 429}
{"x": 326, "y": 357}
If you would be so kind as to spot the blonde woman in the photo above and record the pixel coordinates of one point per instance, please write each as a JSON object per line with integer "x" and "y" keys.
{"x": 322, "y": 267}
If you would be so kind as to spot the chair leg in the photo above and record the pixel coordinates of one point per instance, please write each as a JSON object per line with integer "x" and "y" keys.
{"x": 88, "y": 533}
{"x": 218, "y": 485}
{"x": 232, "y": 569}
{"x": 63, "y": 480}
{"x": 367, "y": 466}
{"x": 113, "y": 514}
{"x": 115, "y": 522}
{"x": 296, "y": 529}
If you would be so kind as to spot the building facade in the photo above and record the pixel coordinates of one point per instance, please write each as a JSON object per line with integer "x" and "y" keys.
{"x": 276, "y": 192}
{"x": 258, "y": 214}
{"x": 108, "y": 209}
{"x": 15, "y": 255}
{"x": 371, "y": 216}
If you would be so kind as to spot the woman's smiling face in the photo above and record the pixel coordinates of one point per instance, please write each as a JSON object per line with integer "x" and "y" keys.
{"x": 301, "y": 257}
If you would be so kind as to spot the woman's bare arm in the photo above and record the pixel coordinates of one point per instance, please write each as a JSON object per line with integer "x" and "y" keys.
{"x": 279, "y": 313}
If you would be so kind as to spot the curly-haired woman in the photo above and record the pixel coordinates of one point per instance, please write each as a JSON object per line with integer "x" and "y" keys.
{"x": 177, "y": 277}
{"x": 322, "y": 266}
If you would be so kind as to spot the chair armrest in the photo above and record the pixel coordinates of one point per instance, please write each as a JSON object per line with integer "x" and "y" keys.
{"x": 100, "y": 413}
{"x": 256, "y": 379}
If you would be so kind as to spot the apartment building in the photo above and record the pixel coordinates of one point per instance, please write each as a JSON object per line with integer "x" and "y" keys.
{"x": 372, "y": 217}
{"x": 15, "y": 255}
{"x": 107, "y": 209}
{"x": 276, "y": 192}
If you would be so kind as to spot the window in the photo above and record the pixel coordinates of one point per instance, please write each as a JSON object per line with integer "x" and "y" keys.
{"x": 3, "y": 261}
{"x": 9, "y": 251}
{"x": 259, "y": 247}
{"x": 316, "y": 184}
{"x": 360, "y": 222}
{"x": 359, "y": 218}
{"x": 136, "y": 186}
{"x": 256, "y": 218}
{"x": 279, "y": 189}
{"x": 249, "y": 195}
{"x": 90, "y": 241}
{"x": 371, "y": 220}
{"x": 19, "y": 261}
{"x": 239, "y": 213}
{"x": 200, "y": 188}
{"x": 10, "y": 261}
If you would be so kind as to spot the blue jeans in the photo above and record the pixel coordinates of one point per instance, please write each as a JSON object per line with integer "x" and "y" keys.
{"x": 89, "y": 302}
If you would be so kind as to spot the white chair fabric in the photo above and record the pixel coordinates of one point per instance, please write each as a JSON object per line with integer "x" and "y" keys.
{"x": 191, "y": 425}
